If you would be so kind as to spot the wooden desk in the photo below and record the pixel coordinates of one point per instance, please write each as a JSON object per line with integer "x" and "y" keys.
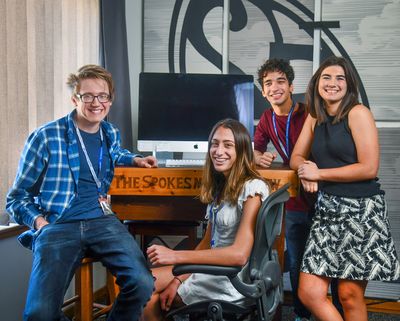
{"x": 172, "y": 194}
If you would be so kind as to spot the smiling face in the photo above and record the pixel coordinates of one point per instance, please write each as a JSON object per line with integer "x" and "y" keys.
{"x": 89, "y": 115}
{"x": 332, "y": 86}
{"x": 223, "y": 150}
{"x": 276, "y": 89}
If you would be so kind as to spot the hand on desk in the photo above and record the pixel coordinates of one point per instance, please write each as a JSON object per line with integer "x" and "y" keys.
{"x": 148, "y": 161}
{"x": 161, "y": 255}
{"x": 264, "y": 160}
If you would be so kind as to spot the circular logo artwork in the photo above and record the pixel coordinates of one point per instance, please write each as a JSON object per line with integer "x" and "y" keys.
{"x": 193, "y": 15}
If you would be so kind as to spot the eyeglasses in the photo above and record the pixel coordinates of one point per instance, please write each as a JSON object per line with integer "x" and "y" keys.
{"x": 89, "y": 98}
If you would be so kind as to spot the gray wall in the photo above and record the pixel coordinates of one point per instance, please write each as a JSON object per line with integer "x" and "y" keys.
{"x": 15, "y": 270}
{"x": 15, "y": 267}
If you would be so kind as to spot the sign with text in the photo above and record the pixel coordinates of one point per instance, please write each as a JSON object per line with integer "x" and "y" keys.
{"x": 181, "y": 181}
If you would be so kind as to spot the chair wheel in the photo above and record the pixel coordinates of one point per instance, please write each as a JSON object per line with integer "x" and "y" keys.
{"x": 215, "y": 311}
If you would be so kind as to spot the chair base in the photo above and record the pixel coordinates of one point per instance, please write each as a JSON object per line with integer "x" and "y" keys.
{"x": 213, "y": 310}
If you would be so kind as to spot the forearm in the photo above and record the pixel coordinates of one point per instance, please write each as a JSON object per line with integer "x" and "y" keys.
{"x": 227, "y": 256}
{"x": 127, "y": 158}
{"x": 22, "y": 208}
{"x": 124, "y": 156}
{"x": 296, "y": 161}
{"x": 302, "y": 148}
{"x": 348, "y": 173}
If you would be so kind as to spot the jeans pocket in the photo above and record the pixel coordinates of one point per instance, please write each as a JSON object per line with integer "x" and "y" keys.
{"x": 37, "y": 234}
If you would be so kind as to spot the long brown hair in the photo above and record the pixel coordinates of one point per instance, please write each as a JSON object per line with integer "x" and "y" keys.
{"x": 315, "y": 103}
{"x": 215, "y": 186}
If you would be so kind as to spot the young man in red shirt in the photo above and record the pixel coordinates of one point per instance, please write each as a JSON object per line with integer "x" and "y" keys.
{"x": 281, "y": 125}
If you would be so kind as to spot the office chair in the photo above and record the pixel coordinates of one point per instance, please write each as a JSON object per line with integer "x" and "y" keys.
{"x": 264, "y": 286}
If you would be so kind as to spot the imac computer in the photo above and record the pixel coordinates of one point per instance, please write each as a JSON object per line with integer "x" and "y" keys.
{"x": 178, "y": 111}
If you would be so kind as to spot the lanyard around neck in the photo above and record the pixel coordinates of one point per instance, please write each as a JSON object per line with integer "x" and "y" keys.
{"x": 92, "y": 171}
{"x": 285, "y": 150}
{"x": 213, "y": 217}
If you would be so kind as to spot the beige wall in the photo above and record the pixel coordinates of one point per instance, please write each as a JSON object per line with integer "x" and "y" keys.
{"x": 42, "y": 42}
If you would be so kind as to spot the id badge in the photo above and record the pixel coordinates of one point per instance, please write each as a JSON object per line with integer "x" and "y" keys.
{"x": 105, "y": 206}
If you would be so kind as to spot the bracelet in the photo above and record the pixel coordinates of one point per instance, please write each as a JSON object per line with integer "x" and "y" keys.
{"x": 176, "y": 278}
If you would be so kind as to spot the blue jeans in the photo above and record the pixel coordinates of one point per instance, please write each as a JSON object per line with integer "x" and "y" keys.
{"x": 58, "y": 250}
{"x": 297, "y": 228}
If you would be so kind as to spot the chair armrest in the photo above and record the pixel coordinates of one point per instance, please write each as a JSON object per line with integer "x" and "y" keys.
{"x": 229, "y": 271}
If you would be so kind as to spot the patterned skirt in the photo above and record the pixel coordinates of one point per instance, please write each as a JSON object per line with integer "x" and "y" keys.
{"x": 350, "y": 239}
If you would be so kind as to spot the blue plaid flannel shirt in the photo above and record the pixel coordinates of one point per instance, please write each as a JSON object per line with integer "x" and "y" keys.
{"x": 48, "y": 172}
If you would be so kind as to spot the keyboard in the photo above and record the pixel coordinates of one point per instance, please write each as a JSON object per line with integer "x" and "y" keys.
{"x": 184, "y": 162}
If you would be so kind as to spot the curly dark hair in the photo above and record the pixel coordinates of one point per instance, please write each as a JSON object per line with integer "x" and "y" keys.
{"x": 275, "y": 64}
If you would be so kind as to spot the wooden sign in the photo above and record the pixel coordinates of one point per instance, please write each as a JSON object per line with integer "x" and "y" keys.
{"x": 181, "y": 181}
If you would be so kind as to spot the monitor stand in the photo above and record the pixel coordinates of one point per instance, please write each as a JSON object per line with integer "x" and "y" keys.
{"x": 193, "y": 155}
{"x": 162, "y": 156}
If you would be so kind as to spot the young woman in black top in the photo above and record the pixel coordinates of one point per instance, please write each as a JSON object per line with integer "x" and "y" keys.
{"x": 349, "y": 238}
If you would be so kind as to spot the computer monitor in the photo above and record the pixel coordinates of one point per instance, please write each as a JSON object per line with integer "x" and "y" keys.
{"x": 178, "y": 111}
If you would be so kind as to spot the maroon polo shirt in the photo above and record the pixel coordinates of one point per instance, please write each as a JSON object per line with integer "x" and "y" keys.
{"x": 265, "y": 133}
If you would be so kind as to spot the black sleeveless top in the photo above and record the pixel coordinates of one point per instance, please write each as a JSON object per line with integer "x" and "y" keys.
{"x": 333, "y": 146}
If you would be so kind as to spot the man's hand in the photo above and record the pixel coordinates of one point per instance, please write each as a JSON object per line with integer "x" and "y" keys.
{"x": 148, "y": 162}
{"x": 264, "y": 159}
{"x": 40, "y": 222}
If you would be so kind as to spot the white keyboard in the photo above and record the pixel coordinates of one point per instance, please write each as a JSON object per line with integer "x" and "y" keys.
{"x": 184, "y": 162}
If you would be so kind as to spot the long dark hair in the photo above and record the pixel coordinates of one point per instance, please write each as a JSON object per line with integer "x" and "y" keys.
{"x": 315, "y": 103}
{"x": 228, "y": 188}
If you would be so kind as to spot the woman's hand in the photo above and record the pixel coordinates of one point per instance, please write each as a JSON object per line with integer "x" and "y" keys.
{"x": 309, "y": 186}
{"x": 309, "y": 171}
{"x": 161, "y": 255}
{"x": 167, "y": 296}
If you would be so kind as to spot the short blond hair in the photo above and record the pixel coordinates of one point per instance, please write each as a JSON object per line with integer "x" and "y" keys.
{"x": 90, "y": 72}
